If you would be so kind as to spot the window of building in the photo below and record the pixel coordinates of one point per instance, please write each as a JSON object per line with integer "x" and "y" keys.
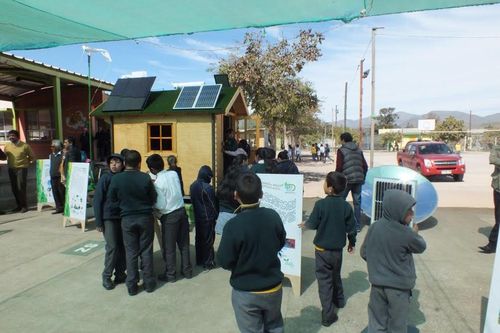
{"x": 39, "y": 125}
{"x": 161, "y": 137}
{"x": 6, "y": 124}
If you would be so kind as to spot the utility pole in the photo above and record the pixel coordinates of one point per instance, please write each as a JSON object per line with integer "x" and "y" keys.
{"x": 345, "y": 107}
{"x": 470, "y": 130}
{"x": 361, "y": 76}
{"x": 334, "y": 143}
{"x": 372, "y": 120}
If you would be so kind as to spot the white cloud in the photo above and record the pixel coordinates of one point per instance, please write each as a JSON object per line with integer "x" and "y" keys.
{"x": 134, "y": 74}
{"x": 276, "y": 32}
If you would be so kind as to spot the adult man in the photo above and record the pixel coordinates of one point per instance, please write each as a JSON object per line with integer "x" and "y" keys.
{"x": 495, "y": 183}
{"x": 351, "y": 162}
{"x": 58, "y": 189}
{"x": 72, "y": 154}
{"x": 19, "y": 157}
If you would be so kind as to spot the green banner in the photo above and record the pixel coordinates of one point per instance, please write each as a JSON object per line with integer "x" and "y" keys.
{"x": 43, "y": 183}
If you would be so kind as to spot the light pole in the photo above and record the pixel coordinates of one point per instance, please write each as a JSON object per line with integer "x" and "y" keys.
{"x": 362, "y": 75}
{"x": 372, "y": 118}
{"x": 345, "y": 107}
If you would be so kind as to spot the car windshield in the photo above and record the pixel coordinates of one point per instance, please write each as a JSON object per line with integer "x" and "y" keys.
{"x": 439, "y": 148}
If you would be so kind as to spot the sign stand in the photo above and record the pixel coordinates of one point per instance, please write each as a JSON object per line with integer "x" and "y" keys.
{"x": 43, "y": 185}
{"x": 75, "y": 206}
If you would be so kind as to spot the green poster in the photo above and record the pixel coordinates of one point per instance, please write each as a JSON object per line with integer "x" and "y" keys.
{"x": 43, "y": 183}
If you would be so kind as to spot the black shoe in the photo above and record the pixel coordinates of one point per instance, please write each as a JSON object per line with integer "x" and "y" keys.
{"x": 188, "y": 275}
{"x": 165, "y": 278}
{"x": 15, "y": 210}
{"x": 23, "y": 210}
{"x": 329, "y": 322}
{"x": 133, "y": 290}
{"x": 120, "y": 279}
{"x": 209, "y": 266}
{"x": 488, "y": 249}
{"x": 108, "y": 284}
{"x": 150, "y": 287}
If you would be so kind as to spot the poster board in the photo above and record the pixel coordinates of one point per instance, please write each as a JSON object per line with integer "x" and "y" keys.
{"x": 75, "y": 205}
{"x": 43, "y": 185}
{"x": 492, "y": 322}
{"x": 283, "y": 193}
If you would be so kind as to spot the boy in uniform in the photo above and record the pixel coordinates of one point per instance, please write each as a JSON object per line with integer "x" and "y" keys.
{"x": 135, "y": 194}
{"x": 333, "y": 219}
{"x": 107, "y": 220}
{"x": 387, "y": 250}
{"x": 249, "y": 248}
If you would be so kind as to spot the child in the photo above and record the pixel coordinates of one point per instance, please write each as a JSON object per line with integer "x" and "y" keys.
{"x": 249, "y": 248}
{"x": 205, "y": 214}
{"x": 135, "y": 195}
{"x": 174, "y": 220}
{"x": 107, "y": 221}
{"x": 388, "y": 249}
{"x": 333, "y": 219}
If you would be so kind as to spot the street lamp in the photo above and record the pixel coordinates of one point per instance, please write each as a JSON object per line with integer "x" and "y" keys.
{"x": 362, "y": 75}
{"x": 372, "y": 118}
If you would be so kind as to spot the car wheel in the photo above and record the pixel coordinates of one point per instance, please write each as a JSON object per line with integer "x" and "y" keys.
{"x": 458, "y": 178}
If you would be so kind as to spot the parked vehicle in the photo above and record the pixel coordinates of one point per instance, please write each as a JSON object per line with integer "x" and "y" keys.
{"x": 432, "y": 158}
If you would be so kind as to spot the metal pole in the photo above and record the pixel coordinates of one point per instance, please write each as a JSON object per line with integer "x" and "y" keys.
{"x": 361, "y": 102}
{"x": 470, "y": 130}
{"x": 372, "y": 122}
{"x": 91, "y": 150}
{"x": 345, "y": 107}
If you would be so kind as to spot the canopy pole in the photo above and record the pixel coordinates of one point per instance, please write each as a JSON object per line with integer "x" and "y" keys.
{"x": 91, "y": 144}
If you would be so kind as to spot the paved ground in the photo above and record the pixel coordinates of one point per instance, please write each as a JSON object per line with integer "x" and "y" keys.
{"x": 46, "y": 290}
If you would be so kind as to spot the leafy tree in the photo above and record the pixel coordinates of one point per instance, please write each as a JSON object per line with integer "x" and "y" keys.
{"x": 451, "y": 130}
{"x": 267, "y": 73}
{"x": 391, "y": 138}
{"x": 387, "y": 118}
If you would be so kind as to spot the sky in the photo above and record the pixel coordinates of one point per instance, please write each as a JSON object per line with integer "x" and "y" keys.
{"x": 425, "y": 61}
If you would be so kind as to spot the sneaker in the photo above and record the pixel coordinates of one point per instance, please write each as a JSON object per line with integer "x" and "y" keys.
{"x": 108, "y": 284}
{"x": 150, "y": 287}
{"x": 488, "y": 249}
{"x": 329, "y": 322}
{"x": 133, "y": 290}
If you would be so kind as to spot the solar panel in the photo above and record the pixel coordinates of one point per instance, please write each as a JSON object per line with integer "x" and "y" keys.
{"x": 129, "y": 94}
{"x": 198, "y": 97}
{"x": 187, "y": 97}
{"x": 208, "y": 96}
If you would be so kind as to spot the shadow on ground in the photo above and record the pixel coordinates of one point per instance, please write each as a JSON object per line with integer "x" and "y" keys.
{"x": 485, "y": 231}
{"x": 313, "y": 176}
{"x": 356, "y": 282}
{"x": 309, "y": 321}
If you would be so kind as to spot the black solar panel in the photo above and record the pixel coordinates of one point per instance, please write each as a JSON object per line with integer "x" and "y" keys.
{"x": 187, "y": 97}
{"x": 208, "y": 96}
{"x": 379, "y": 188}
{"x": 129, "y": 94}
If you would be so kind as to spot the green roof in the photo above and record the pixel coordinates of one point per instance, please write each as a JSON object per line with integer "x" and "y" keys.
{"x": 160, "y": 102}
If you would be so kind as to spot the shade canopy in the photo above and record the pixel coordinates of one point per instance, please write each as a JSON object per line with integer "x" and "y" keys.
{"x": 33, "y": 24}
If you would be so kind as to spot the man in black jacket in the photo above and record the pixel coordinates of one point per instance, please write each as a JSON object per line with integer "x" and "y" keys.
{"x": 249, "y": 248}
{"x": 351, "y": 162}
{"x": 58, "y": 189}
{"x": 71, "y": 154}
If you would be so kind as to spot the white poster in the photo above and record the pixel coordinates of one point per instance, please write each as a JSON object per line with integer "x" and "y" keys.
{"x": 43, "y": 183}
{"x": 76, "y": 191}
{"x": 492, "y": 323}
{"x": 283, "y": 193}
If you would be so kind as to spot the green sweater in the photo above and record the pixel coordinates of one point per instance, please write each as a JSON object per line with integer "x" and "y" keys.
{"x": 333, "y": 219}
{"x": 134, "y": 191}
{"x": 249, "y": 248}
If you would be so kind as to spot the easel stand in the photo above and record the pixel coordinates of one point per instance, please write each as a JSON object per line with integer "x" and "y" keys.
{"x": 296, "y": 283}
{"x": 41, "y": 205}
{"x": 73, "y": 221}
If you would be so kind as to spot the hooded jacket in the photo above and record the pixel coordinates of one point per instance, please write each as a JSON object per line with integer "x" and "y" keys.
{"x": 286, "y": 167}
{"x": 203, "y": 196}
{"x": 389, "y": 244}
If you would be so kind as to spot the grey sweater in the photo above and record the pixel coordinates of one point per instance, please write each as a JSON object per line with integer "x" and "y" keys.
{"x": 389, "y": 244}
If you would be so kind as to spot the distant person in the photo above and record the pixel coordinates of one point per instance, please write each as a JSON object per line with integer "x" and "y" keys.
{"x": 84, "y": 142}
{"x": 333, "y": 219}
{"x": 71, "y": 154}
{"x": 298, "y": 153}
{"x": 58, "y": 189}
{"x": 289, "y": 150}
{"x": 249, "y": 249}
{"x": 322, "y": 153}
{"x": 491, "y": 247}
{"x": 264, "y": 160}
{"x": 327, "y": 153}
{"x": 351, "y": 162}
{"x": 19, "y": 157}
{"x": 135, "y": 195}
{"x": 314, "y": 152}
{"x": 173, "y": 218}
{"x": 243, "y": 144}
{"x": 172, "y": 165}
{"x": 285, "y": 165}
{"x": 230, "y": 144}
{"x": 388, "y": 251}
{"x": 107, "y": 221}
{"x": 205, "y": 214}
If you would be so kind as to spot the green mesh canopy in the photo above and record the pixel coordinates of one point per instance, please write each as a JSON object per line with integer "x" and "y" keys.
{"x": 32, "y": 24}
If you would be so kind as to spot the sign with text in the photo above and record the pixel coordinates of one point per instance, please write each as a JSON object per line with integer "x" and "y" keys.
{"x": 43, "y": 183}
{"x": 283, "y": 193}
{"x": 84, "y": 249}
{"x": 77, "y": 181}
{"x": 492, "y": 322}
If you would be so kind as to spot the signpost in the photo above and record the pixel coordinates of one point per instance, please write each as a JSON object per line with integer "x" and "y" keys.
{"x": 492, "y": 322}
{"x": 43, "y": 185}
{"x": 75, "y": 206}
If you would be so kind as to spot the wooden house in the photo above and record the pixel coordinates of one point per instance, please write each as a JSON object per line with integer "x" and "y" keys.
{"x": 194, "y": 135}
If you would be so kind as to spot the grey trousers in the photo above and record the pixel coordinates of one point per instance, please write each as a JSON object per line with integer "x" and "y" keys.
{"x": 175, "y": 230}
{"x": 331, "y": 291}
{"x": 114, "y": 259}
{"x": 258, "y": 313}
{"x": 138, "y": 237}
{"x": 388, "y": 310}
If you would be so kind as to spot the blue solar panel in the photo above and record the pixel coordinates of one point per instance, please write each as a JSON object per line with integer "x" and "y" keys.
{"x": 187, "y": 97}
{"x": 208, "y": 96}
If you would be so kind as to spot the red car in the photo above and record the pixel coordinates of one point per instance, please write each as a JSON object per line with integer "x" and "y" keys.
{"x": 432, "y": 158}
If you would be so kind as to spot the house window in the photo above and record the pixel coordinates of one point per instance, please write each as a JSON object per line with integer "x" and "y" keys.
{"x": 161, "y": 137}
{"x": 6, "y": 124}
{"x": 39, "y": 126}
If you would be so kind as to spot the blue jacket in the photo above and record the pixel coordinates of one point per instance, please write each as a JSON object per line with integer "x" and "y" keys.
{"x": 203, "y": 196}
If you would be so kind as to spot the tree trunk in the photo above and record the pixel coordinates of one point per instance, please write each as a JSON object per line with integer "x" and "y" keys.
{"x": 272, "y": 133}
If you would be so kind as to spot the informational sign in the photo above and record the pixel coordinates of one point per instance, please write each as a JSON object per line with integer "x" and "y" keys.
{"x": 283, "y": 193}
{"x": 426, "y": 124}
{"x": 84, "y": 249}
{"x": 75, "y": 206}
{"x": 492, "y": 322}
{"x": 43, "y": 184}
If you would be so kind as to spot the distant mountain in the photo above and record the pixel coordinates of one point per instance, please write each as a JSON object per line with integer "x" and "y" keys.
{"x": 411, "y": 120}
